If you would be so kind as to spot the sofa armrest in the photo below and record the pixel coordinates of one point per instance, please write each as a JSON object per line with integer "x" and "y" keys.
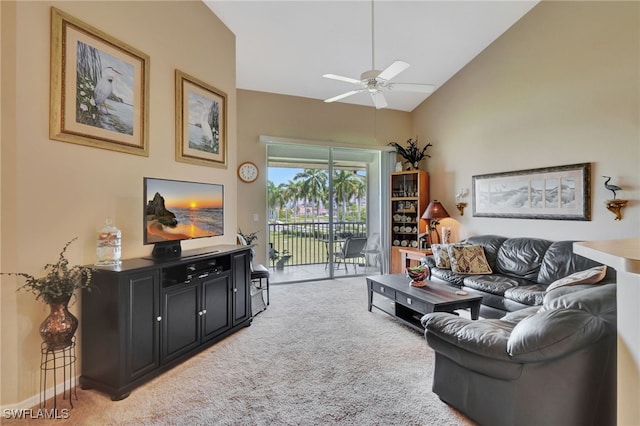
{"x": 428, "y": 261}
{"x": 565, "y": 324}
{"x": 486, "y": 337}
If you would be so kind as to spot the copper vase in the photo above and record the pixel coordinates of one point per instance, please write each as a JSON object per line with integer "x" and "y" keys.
{"x": 58, "y": 329}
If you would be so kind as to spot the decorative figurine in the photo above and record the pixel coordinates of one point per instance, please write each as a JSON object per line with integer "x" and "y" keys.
{"x": 611, "y": 187}
{"x": 614, "y": 206}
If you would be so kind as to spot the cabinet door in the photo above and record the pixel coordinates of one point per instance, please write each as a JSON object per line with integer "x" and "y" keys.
{"x": 216, "y": 305}
{"x": 241, "y": 281}
{"x": 143, "y": 329}
{"x": 180, "y": 318}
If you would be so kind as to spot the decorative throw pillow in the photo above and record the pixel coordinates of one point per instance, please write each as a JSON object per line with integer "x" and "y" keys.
{"x": 588, "y": 276}
{"x": 468, "y": 259}
{"x": 441, "y": 255}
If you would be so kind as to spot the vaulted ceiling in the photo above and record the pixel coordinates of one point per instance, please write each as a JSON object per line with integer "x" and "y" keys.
{"x": 285, "y": 47}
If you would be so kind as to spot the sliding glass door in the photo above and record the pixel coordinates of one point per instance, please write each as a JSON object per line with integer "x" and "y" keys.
{"x": 323, "y": 211}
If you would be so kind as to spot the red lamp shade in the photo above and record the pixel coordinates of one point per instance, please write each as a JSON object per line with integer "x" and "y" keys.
{"x": 435, "y": 210}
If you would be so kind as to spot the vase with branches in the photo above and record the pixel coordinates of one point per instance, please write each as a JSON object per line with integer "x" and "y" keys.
{"x": 56, "y": 288}
{"x": 412, "y": 153}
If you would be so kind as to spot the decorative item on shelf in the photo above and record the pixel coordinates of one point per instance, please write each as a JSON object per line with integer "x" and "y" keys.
{"x": 613, "y": 205}
{"x": 446, "y": 234}
{"x": 412, "y": 154}
{"x": 108, "y": 245}
{"x": 56, "y": 289}
{"x": 418, "y": 275}
{"x": 434, "y": 211}
{"x": 460, "y": 204}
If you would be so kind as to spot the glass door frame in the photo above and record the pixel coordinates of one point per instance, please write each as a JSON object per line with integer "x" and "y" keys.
{"x": 379, "y": 170}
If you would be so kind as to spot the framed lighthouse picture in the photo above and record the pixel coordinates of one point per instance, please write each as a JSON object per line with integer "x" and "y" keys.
{"x": 99, "y": 88}
{"x": 201, "y": 122}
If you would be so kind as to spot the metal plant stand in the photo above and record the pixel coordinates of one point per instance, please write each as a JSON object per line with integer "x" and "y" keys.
{"x": 52, "y": 360}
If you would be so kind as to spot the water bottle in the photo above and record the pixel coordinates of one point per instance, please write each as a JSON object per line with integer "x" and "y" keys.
{"x": 108, "y": 245}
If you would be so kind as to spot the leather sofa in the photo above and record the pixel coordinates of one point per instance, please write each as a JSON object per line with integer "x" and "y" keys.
{"x": 522, "y": 269}
{"x": 554, "y": 364}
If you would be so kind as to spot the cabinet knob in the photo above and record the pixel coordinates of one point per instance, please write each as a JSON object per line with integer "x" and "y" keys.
{"x": 381, "y": 289}
{"x": 235, "y": 290}
{"x": 408, "y": 300}
{"x": 204, "y": 311}
{"x": 158, "y": 319}
{"x": 200, "y": 313}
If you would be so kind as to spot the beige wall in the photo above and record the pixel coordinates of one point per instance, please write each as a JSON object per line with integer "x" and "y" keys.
{"x": 312, "y": 121}
{"x": 560, "y": 87}
{"x": 53, "y": 191}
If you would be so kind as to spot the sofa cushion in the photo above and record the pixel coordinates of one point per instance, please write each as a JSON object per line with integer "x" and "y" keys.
{"x": 565, "y": 324}
{"x": 449, "y": 276}
{"x": 491, "y": 245}
{"x": 522, "y": 257}
{"x": 560, "y": 261}
{"x": 532, "y": 295}
{"x": 468, "y": 259}
{"x": 590, "y": 276}
{"x": 494, "y": 284}
{"x": 441, "y": 255}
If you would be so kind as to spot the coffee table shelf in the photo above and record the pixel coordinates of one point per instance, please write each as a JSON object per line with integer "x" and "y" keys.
{"x": 412, "y": 303}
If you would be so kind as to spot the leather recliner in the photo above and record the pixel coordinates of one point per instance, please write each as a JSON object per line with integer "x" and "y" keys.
{"x": 553, "y": 364}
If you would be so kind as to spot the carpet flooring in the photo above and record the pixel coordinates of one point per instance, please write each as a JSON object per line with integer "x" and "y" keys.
{"x": 316, "y": 356}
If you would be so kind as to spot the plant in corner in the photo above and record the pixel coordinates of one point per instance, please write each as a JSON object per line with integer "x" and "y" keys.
{"x": 412, "y": 154}
{"x": 56, "y": 288}
{"x": 249, "y": 238}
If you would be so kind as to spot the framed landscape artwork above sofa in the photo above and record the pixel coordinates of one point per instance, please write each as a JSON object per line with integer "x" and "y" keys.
{"x": 560, "y": 192}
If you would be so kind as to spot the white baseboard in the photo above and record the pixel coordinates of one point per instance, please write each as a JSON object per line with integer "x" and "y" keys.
{"x": 34, "y": 400}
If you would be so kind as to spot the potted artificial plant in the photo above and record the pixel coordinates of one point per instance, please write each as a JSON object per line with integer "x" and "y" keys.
{"x": 412, "y": 154}
{"x": 56, "y": 288}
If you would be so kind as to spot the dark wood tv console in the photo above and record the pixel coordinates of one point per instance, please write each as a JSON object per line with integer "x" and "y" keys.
{"x": 145, "y": 316}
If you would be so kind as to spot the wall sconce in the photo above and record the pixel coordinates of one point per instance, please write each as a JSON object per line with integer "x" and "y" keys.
{"x": 459, "y": 203}
{"x": 613, "y": 205}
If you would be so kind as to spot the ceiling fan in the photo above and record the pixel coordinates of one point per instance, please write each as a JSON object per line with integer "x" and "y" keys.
{"x": 376, "y": 82}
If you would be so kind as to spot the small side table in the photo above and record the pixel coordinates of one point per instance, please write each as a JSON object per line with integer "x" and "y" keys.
{"x": 409, "y": 254}
{"x": 52, "y": 360}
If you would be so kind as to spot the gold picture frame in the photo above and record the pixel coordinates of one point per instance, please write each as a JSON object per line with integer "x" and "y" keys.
{"x": 99, "y": 88}
{"x": 201, "y": 122}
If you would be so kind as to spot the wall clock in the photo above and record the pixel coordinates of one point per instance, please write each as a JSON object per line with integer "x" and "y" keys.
{"x": 248, "y": 172}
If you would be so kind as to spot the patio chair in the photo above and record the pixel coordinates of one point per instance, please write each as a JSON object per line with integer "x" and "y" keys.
{"x": 351, "y": 251}
{"x": 371, "y": 251}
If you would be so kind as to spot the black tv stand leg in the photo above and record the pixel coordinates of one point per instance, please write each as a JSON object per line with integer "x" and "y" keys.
{"x": 120, "y": 397}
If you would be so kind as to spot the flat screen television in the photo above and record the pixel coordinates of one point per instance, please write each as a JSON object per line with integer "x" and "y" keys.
{"x": 179, "y": 210}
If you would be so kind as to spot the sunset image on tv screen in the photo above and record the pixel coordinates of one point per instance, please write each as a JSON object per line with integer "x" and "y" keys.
{"x": 177, "y": 210}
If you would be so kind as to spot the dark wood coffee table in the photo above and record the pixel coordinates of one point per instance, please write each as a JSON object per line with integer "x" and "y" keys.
{"x": 411, "y": 303}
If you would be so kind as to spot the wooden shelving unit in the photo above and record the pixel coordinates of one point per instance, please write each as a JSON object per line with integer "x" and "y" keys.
{"x": 409, "y": 199}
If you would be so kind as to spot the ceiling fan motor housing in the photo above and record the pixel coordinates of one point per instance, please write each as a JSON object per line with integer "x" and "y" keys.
{"x": 370, "y": 80}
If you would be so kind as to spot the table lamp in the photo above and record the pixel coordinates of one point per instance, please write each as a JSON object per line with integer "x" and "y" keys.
{"x": 434, "y": 211}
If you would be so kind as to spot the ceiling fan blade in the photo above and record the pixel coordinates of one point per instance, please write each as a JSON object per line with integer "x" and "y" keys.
{"x": 392, "y": 70}
{"x": 342, "y": 78}
{"x": 342, "y": 96}
{"x": 379, "y": 100}
{"x": 411, "y": 87}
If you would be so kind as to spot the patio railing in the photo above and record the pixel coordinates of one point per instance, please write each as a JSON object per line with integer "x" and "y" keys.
{"x": 308, "y": 243}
